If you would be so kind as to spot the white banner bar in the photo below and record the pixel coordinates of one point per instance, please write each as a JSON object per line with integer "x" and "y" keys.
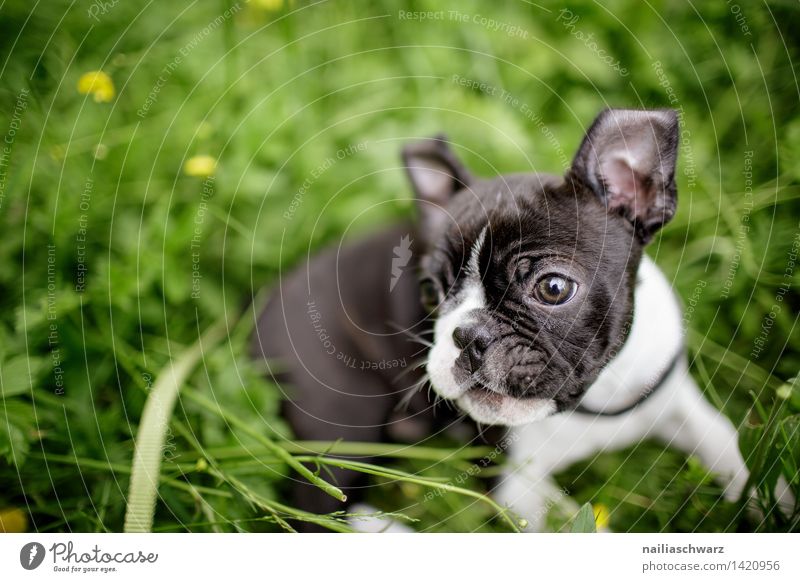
{"x": 351, "y": 558}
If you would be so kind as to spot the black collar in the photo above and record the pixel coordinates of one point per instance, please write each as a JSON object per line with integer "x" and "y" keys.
{"x": 646, "y": 393}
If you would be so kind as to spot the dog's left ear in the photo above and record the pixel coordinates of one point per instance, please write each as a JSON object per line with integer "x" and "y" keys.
{"x": 436, "y": 174}
{"x": 628, "y": 158}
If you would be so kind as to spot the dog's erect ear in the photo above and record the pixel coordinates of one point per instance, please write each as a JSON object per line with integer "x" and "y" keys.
{"x": 436, "y": 174}
{"x": 628, "y": 158}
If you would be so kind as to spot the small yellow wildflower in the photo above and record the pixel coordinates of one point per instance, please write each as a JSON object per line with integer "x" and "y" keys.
{"x": 57, "y": 152}
{"x": 410, "y": 490}
{"x": 97, "y": 84}
{"x": 201, "y": 166}
{"x": 601, "y": 517}
{"x": 13, "y": 520}
{"x": 269, "y": 5}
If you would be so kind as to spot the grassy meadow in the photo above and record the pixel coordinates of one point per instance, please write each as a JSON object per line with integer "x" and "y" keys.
{"x": 161, "y": 163}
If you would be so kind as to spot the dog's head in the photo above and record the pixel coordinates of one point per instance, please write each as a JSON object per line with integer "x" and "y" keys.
{"x": 530, "y": 278}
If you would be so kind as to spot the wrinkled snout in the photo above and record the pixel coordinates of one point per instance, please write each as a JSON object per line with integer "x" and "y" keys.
{"x": 501, "y": 365}
{"x": 473, "y": 340}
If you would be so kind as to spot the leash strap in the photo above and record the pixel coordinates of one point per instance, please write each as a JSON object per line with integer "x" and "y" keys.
{"x": 649, "y": 391}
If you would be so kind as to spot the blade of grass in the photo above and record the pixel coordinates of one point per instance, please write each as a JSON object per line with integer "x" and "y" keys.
{"x": 274, "y": 508}
{"x": 766, "y": 440}
{"x": 700, "y": 342}
{"x": 118, "y": 468}
{"x": 356, "y": 448}
{"x": 150, "y": 437}
{"x": 401, "y": 475}
{"x": 584, "y": 522}
{"x": 274, "y": 448}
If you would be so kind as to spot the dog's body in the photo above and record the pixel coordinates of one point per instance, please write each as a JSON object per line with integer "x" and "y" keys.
{"x": 350, "y": 367}
{"x": 541, "y": 307}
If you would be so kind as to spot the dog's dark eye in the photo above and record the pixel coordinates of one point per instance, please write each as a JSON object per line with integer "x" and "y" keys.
{"x": 554, "y": 289}
{"x": 429, "y": 294}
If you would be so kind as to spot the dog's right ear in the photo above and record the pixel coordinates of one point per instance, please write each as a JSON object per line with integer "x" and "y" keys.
{"x": 436, "y": 174}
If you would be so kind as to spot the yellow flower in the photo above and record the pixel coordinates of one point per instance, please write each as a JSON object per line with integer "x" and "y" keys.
{"x": 13, "y": 520}
{"x": 201, "y": 166}
{"x": 97, "y": 84}
{"x": 269, "y": 5}
{"x": 601, "y": 517}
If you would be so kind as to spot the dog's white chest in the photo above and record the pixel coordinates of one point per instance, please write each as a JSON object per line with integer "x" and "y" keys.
{"x": 654, "y": 340}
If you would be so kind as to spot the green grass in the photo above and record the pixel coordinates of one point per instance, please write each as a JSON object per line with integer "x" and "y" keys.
{"x": 271, "y": 94}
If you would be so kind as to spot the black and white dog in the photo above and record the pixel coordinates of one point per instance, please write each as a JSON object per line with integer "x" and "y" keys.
{"x": 546, "y": 317}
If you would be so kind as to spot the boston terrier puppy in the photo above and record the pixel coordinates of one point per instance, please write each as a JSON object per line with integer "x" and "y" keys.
{"x": 520, "y": 301}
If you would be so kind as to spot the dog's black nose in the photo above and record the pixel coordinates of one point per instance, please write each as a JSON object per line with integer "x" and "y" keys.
{"x": 472, "y": 340}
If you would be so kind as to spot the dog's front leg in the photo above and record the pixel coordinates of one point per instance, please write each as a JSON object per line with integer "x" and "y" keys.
{"x": 697, "y": 428}
{"x": 531, "y": 493}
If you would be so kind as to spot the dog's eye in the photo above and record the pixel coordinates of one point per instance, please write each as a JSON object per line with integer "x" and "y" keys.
{"x": 554, "y": 289}
{"x": 429, "y": 294}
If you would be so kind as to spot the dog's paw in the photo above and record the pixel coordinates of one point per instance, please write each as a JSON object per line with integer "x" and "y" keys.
{"x": 784, "y": 501}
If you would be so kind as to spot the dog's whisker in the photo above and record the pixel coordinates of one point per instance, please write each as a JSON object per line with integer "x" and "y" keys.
{"x": 416, "y": 387}
{"x": 414, "y": 336}
{"x": 420, "y": 341}
{"x": 413, "y": 367}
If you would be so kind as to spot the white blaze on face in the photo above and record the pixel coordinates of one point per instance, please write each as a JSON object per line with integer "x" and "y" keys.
{"x": 444, "y": 352}
{"x": 482, "y": 406}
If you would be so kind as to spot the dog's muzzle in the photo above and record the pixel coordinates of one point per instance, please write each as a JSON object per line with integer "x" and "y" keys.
{"x": 473, "y": 340}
